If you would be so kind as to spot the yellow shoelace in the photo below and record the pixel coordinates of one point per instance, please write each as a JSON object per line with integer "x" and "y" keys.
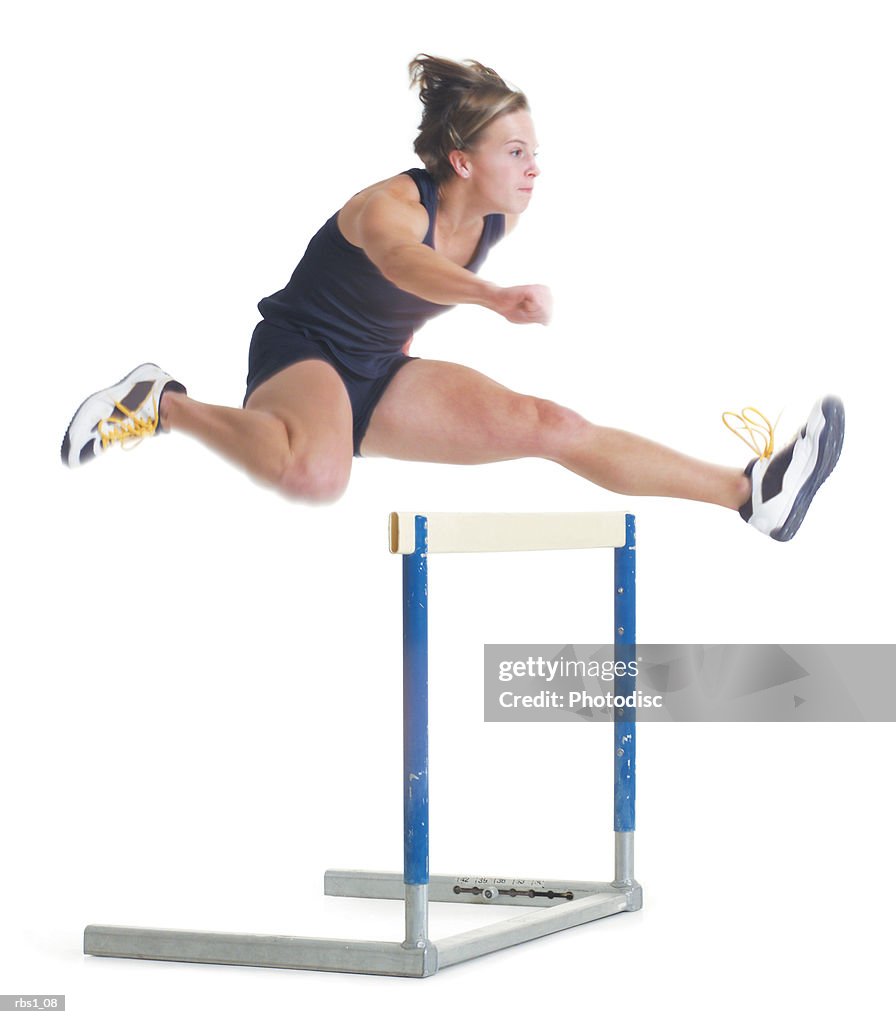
{"x": 132, "y": 428}
{"x": 754, "y": 429}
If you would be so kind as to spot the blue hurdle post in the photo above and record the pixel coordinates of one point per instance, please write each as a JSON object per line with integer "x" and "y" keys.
{"x": 416, "y": 739}
{"x": 624, "y": 724}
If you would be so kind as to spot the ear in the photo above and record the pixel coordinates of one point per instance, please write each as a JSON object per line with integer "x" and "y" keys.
{"x": 460, "y": 162}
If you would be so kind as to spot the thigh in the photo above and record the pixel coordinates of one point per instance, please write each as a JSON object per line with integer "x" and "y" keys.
{"x": 310, "y": 399}
{"x": 434, "y": 411}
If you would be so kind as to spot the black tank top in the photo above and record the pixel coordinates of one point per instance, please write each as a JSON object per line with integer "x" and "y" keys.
{"x": 337, "y": 296}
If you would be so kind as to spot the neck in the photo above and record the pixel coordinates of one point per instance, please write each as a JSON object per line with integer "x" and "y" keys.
{"x": 459, "y": 207}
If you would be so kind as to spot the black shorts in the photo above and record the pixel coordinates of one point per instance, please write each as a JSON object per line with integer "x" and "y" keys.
{"x": 273, "y": 348}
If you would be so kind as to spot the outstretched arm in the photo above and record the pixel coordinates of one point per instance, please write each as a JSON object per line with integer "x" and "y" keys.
{"x": 391, "y": 229}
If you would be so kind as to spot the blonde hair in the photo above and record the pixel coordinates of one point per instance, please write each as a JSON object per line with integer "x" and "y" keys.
{"x": 460, "y": 100}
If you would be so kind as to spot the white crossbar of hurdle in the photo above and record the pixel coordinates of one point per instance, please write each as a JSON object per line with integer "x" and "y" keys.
{"x": 559, "y": 903}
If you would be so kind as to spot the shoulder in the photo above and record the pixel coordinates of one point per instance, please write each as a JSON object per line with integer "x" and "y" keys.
{"x": 395, "y": 199}
{"x": 400, "y": 186}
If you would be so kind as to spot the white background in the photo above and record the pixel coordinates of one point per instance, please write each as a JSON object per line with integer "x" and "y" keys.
{"x": 201, "y": 706}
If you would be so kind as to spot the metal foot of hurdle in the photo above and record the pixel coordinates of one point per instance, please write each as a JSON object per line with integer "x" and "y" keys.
{"x": 560, "y": 904}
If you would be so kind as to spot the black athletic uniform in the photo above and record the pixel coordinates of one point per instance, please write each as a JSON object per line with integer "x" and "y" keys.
{"x": 338, "y": 307}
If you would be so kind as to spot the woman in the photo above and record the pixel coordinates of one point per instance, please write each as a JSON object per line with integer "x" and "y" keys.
{"x": 329, "y": 371}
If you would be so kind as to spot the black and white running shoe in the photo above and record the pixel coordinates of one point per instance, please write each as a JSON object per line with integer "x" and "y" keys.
{"x": 127, "y": 411}
{"x": 785, "y": 483}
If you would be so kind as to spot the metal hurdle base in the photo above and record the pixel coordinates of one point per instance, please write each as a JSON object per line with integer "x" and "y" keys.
{"x": 298, "y": 953}
{"x": 560, "y": 904}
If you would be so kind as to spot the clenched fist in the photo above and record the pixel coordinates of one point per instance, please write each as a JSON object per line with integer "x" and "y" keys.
{"x": 525, "y": 304}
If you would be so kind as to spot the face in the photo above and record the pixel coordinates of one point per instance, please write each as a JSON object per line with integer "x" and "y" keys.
{"x": 501, "y": 167}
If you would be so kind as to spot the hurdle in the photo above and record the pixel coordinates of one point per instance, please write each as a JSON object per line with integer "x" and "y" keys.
{"x": 554, "y": 904}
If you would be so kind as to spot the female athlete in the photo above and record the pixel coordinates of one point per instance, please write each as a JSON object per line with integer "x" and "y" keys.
{"x": 330, "y": 376}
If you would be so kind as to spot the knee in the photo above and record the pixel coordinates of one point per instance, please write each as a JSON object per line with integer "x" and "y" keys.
{"x": 556, "y": 429}
{"x": 316, "y": 479}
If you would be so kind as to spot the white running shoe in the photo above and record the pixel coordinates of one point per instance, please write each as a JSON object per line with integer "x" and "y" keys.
{"x": 785, "y": 484}
{"x": 127, "y": 411}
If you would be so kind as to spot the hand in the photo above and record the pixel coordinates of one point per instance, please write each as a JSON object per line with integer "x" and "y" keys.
{"x": 525, "y": 304}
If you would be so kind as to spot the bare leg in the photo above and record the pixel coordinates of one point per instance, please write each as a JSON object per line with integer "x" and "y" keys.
{"x": 295, "y": 433}
{"x": 442, "y": 412}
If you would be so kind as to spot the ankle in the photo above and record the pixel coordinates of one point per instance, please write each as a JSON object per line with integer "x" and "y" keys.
{"x": 742, "y": 491}
{"x": 168, "y": 403}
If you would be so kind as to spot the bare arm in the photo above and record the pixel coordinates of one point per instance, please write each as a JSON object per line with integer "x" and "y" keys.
{"x": 390, "y": 230}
